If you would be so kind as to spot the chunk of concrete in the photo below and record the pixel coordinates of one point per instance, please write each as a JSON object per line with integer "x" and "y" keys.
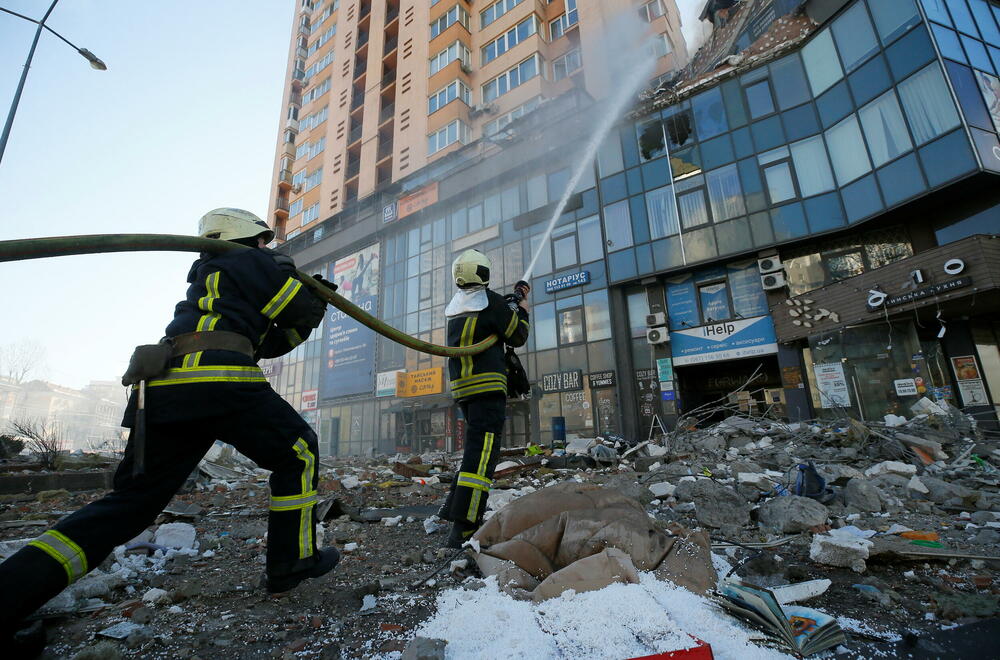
{"x": 862, "y": 495}
{"x": 424, "y": 648}
{"x": 717, "y": 505}
{"x": 842, "y": 551}
{"x": 662, "y": 489}
{"x": 792, "y": 514}
{"x": 916, "y": 488}
{"x": 178, "y": 535}
{"x": 891, "y": 467}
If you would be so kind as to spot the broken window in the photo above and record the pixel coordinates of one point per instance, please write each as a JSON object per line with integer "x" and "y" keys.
{"x": 651, "y": 143}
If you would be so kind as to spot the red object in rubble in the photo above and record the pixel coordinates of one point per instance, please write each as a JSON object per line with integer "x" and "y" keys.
{"x": 700, "y": 651}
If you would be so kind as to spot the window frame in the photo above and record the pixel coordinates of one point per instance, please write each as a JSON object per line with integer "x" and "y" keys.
{"x": 781, "y": 160}
{"x": 565, "y": 57}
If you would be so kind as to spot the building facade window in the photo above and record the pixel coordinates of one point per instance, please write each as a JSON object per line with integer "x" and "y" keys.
{"x": 456, "y": 14}
{"x": 319, "y": 41}
{"x": 311, "y": 214}
{"x": 847, "y": 151}
{"x": 777, "y": 169}
{"x": 295, "y": 208}
{"x": 659, "y": 46}
{"x": 821, "y": 62}
{"x": 495, "y": 11}
{"x": 558, "y": 27}
{"x": 500, "y": 123}
{"x": 454, "y": 132}
{"x": 319, "y": 90}
{"x": 456, "y": 89}
{"x": 885, "y": 129}
{"x": 314, "y": 179}
{"x": 319, "y": 65}
{"x": 651, "y": 11}
{"x": 456, "y": 51}
{"x": 927, "y": 104}
{"x": 510, "y": 79}
{"x": 567, "y": 64}
{"x": 509, "y": 39}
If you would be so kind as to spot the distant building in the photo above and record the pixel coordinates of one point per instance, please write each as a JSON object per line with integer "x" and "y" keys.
{"x": 373, "y": 95}
{"x": 87, "y": 419}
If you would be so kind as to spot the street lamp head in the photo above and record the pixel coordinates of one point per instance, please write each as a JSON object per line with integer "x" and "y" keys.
{"x": 94, "y": 60}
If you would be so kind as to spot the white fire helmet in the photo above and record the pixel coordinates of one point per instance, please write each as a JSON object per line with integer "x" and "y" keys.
{"x": 231, "y": 224}
{"x": 472, "y": 268}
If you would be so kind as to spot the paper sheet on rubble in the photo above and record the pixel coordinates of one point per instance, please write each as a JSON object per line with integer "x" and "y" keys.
{"x": 535, "y": 544}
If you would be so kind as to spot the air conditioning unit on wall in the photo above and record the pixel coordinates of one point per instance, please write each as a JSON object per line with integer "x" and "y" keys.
{"x": 657, "y": 335}
{"x": 769, "y": 264}
{"x": 656, "y": 318}
{"x": 772, "y": 281}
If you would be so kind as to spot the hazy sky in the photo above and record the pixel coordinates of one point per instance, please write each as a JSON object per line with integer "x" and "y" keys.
{"x": 183, "y": 121}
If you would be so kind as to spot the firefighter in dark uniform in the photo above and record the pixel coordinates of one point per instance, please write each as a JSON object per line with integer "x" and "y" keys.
{"x": 479, "y": 383}
{"x": 202, "y": 384}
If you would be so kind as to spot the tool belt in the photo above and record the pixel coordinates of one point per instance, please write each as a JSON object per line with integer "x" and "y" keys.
{"x": 216, "y": 340}
{"x": 151, "y": 360}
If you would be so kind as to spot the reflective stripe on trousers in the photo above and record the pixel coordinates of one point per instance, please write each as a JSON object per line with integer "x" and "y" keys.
{"x": 301, "y": 448}
{"x": 59, "y": 546}
{"x": 209, "y": 374}
{"x": 477, "y": 493}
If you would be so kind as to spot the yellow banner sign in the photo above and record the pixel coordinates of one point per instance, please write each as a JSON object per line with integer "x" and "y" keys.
{"x": 420, "y": 383}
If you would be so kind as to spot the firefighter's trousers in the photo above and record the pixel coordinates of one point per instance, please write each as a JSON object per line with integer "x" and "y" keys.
{"x": 272, "y": 434}
{"x": 484, "y": 417}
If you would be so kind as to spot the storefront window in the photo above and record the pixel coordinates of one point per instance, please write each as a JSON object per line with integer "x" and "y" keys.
{"x": 571, "y": 326}
{"x": 843, "y": 266}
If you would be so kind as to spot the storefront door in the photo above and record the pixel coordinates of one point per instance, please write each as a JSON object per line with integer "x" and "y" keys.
{"x": 606, "y": 407}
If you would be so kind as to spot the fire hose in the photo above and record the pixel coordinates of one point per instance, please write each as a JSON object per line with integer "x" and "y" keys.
{"x": 58, "y": 246}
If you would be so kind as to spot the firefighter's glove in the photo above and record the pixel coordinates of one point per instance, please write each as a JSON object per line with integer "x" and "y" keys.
{"x": 327, "y": 283}
{"x": 313, "y": 316}
{"x": 148, "y": 361}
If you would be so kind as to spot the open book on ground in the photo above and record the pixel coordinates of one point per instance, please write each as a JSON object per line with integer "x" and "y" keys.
{"x": 802, "y": 630}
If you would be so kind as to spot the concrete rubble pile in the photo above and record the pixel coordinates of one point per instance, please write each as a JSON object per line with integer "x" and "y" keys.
{"x": 899, "y": 526}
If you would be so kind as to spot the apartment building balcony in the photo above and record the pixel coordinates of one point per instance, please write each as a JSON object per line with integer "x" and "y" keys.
{"x": 384, "y": 149}
{"x": 304, "y": 29}
{"x": 387, "y": 113}
{"x": 288, "y": 149}
{"x": 360, "y": 67}
{"x": 284, "y": 180}
{"x": 292, "y": 123}
{"x": 281, "y": 207}
{"x": 353, "y": 167}
{"x": 366, "y": 9}
{"x": 388, "y": 79}
{"x": 362, "y": 40}
{"x": 295, "y": 99}
{"x": 354, "y": 135}
{"x": 299, "y": 75}
{"x": 357, "y": 100}
{"x": 391, "y": 14}
{"x": 390, "y": 44}
{"x": 301, "y": 52}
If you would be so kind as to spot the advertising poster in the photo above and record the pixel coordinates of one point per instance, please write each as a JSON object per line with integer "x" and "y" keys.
{"x": 970, "y": 382}
{"x": 832, "y": 385}
{"x": 385, "y": 383}
{"x": 349, "y": 346}
{"x": 729, "y": 340}
{"x": 682, "y": 303}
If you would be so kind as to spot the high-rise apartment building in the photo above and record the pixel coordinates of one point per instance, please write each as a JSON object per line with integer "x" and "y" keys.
{"x": 377, "y": 89}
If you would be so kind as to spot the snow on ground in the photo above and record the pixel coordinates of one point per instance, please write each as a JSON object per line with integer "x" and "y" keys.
{"x": 619, "y": 621}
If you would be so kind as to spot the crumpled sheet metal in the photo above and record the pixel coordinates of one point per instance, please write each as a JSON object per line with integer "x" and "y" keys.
{"x": 584, "y": 537}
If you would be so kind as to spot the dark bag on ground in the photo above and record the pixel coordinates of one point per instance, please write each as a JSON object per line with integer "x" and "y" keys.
{"x": 148, "y": 361}
{"x": 517, "y": 379}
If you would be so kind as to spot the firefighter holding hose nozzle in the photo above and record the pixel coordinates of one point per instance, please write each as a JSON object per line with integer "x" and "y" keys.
{"x": 201, "y": 383}
{"x": 481, "y": 383}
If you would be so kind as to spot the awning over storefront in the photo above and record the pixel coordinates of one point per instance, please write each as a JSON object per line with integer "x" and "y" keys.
{"x": 953, "y": 279}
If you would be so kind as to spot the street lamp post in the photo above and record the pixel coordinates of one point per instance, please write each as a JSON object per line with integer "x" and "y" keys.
{"x": 95, "y": 62}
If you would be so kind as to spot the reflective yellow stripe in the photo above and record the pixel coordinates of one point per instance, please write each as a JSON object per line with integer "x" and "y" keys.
{"x": 209, "y": 374}
{"x": 480, "y": 389}
{"x": 484, "y": 461}
{"x": 301, "y": 448}
{"x": 59, "y": 546}
{"x": 208, "y": 320}
{"x": 282, "y": 298}
{"x": 460, "y": 385}
{"x": 468, "y": 332}
{"x": 474, "y": 481}
{"x": 293, "y": 502}
{"x": 512, "y": 326}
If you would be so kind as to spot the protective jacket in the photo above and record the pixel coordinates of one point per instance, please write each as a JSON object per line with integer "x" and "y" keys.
{"x": 485, "y": 372}
{"x": 251, "y": 292}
